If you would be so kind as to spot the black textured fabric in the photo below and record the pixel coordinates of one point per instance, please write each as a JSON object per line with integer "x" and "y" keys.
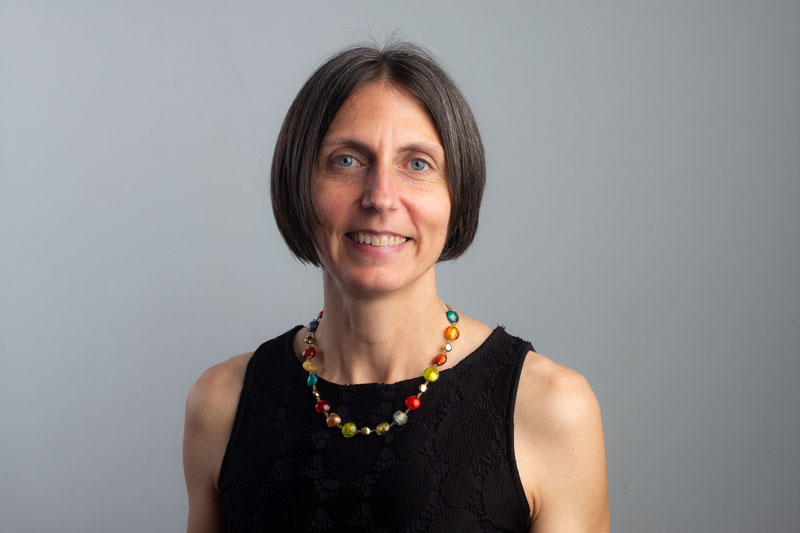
{"x": 450, "y": 468}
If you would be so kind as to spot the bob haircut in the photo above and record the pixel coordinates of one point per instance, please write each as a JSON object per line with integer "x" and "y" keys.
{"x": 405, "y": 65}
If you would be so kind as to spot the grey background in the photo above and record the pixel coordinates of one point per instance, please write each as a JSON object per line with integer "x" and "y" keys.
{"x": 640, "y": 226}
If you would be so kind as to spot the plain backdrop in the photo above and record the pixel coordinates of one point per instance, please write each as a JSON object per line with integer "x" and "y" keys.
{"x": 640, "y": 226}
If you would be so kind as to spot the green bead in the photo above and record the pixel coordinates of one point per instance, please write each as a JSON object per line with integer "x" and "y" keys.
{"x": 349, "y": 430}
{"x": 312, "y": 380}
{"x": 452, "y": 316}
{"x": 430, "y": 374}
{"x": 382, "y": 428}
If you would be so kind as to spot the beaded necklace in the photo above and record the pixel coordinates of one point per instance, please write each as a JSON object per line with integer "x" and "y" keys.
{"x": 400, "y": 417}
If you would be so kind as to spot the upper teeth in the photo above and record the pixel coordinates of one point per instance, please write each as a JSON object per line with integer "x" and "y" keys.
{"x": 378, "y": 240}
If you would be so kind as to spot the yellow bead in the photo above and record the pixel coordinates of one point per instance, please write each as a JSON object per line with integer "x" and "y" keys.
{"x": 333, "y": 420}
{"x": 430, "y": 374}
{"x": 309, "y": 366}
{"x": 451, "y": 333}
{"x": 349, "y": 430}
{"x": 382, "y": 428}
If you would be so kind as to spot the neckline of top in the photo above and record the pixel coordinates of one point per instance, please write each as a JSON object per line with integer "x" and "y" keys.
{"x": 464, "y": 363}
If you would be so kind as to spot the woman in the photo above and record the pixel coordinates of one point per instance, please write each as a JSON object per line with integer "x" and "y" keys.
{"x": 371, "y": 417}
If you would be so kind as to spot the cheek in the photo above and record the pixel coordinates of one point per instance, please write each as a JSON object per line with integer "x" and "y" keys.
{"x": 328, "y": 205}
{"x": 443, "y": 209}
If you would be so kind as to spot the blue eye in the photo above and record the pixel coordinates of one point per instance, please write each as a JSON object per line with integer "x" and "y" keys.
{"x": 345, "y": 160}
{"x": 418, "y": 164}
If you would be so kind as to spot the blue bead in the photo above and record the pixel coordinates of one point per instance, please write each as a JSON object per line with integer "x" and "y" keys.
{"x": 452, "y": 316}
{"x": 312, "y": 380}
{"x": 400, "y": 418}
{"x": 312, "y": 326}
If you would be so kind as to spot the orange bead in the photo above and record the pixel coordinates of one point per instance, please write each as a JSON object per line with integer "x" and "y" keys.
{"x": 451, "y": 333}
{"x": 440, "y": 359}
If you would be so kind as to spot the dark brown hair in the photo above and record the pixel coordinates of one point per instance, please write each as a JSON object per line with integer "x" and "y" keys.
{"x": 410, "y": 67}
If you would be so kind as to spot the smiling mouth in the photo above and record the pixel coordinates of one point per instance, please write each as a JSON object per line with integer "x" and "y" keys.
{"x": 376, "y": 240}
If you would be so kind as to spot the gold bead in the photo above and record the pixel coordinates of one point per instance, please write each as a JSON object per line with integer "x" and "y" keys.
{"x": 365, "y": 430}
{"x": 333, "y": 420}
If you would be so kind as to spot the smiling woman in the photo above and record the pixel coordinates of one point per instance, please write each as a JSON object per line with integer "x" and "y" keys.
{"x": 395, "y": 412}
{"x": 380, "y": 178}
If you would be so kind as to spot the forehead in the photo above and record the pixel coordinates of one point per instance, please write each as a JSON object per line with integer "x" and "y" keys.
{"x": 381, "y": 109}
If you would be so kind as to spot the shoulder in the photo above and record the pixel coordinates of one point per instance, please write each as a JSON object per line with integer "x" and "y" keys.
{"x": 216, "y": 388}
{"x": 210, "y": 411}
{"x": 560, "y": 448}
{"x": 555, "y": 398}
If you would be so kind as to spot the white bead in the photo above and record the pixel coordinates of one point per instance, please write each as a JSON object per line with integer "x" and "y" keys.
{"x": 448, "y": 347}
{"x": 423, "y": 387}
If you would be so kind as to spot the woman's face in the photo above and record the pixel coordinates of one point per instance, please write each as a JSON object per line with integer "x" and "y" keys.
{"x": 380, "y": 192}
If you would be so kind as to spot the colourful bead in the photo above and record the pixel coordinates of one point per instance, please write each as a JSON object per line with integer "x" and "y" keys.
{"x": 400, "y": 418}
{"x": 309, "y": 352}
{"x": 322, "y": 407}
{"x": 430, "y": 374}
{"x": 333, "y": 420}
{"x": 440, "y": 359}
{"x": 451, "y": 333}
{"x": 382, "y": 428}
{"x": 365, "y": 430}
{"x": 349, "y": 430}
{"x": 312, "y": 380}
{"x": 452, "y": 316}
{"x": 412, "y": 402}
{"x": 312, "y": 326}
{"x": 309, "y": 366}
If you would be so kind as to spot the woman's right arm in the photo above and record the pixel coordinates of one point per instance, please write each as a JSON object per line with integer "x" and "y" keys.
{"x": 210, "y": 412}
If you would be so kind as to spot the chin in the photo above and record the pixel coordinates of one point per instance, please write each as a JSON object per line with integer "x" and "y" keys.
{"x": 372, "y": 280}
{"x": 375, "y": 281}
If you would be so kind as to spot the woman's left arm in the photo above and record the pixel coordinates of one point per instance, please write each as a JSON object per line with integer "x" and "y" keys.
{"x": 560, "y": 449}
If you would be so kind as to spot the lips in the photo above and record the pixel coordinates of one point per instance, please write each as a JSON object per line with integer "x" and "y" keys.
{"x": 375, "y": 239}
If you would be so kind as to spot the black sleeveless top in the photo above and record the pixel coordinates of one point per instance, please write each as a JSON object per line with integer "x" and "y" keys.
{"x": 450, "y": 468}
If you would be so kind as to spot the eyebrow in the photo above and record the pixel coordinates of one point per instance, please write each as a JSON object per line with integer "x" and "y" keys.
{"x": 431, "y": 148}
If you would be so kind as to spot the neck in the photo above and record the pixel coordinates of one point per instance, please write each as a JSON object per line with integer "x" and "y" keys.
{"x": 385, "y": 338}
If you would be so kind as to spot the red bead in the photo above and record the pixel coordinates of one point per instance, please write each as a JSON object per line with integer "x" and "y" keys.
{"x": 309, "y": 352}
{"x": 412, "y": 402}
{"x": 322, "y": 407}
{"x": 440, "y": 359}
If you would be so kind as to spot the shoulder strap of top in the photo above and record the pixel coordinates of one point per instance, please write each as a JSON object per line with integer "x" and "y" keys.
{"x": 518, "y": 351}
{"x": 272, "y": 352}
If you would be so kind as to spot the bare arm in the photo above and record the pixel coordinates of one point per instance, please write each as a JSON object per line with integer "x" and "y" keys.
{"x": 560, "y": 449}
{"x": 210, "y": 411}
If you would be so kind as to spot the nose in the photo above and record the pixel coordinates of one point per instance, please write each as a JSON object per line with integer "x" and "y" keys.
{"x": 380, "y": 192}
